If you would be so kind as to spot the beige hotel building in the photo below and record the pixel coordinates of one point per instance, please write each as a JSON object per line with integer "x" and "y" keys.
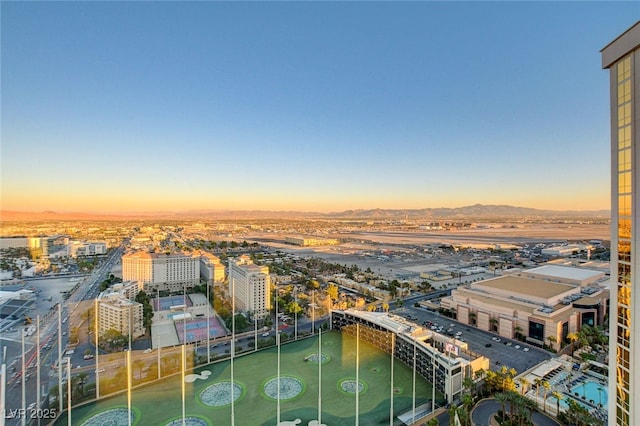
{"x": 162, "y": 272}
{"x": 251, "y": 285}
{"x": 116, "y": 311}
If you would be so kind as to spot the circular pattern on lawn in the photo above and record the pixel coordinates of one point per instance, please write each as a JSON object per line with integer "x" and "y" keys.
{"x": 349, "y": 386}
{"x": 313, "y": 358}
{"x": 219, "y": 394}
{"x": 112, "y": 417}
{"x": 290, "y": 387}
{"x": 189, "y": 421}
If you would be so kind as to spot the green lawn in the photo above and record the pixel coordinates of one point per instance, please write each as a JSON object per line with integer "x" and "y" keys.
{"x": 161, "y": 402}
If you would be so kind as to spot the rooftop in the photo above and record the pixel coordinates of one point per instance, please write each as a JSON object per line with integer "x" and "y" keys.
{"x": 565, "y": 272}
{"x": 521, "y": 286}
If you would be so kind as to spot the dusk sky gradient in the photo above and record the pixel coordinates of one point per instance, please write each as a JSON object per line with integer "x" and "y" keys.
{"x": 315, "y": 106}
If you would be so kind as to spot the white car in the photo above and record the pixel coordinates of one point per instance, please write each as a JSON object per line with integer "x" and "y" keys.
{"x": 517, "y": 346}
{"x": 525, "y": 349}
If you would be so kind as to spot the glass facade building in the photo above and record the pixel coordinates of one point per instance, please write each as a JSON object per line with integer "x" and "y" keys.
{"x": 622, "y": 58}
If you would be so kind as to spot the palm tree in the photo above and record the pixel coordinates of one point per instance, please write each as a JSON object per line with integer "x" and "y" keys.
{"x": 523, "y": 383}
{"x": 518, "y": 330}
{"x": 433, "y": 422}
{"x": 469, "y": 385}
{"x": 522, "y": 414}
{"x": 572, "y": 337}
{"x": 552, "y": 340}
{"x": 472, "y": 318}
{"x": 537, "y": 381}
{"x": 558, "y": 396}
{"x": 514, "y": 401}
{"x": 493, "y": 322}
{"x": 546, "y": 385}
{"x": 502, "y": 398}
{"x": 453, "y": 410}
{"x": 467, "y": 401}
{"x": 530, "y": 405}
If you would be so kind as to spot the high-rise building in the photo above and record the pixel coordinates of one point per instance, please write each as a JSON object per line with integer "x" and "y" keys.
{"x": 211, "y": 269}
{"x": 162, "y": 272}
{"x": 251, "y": 285}
{"x": 116, "y": 312}
{"x": 622, "y": 58}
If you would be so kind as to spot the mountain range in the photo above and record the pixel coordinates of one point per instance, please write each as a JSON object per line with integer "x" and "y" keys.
{"x": 476, "y": 211}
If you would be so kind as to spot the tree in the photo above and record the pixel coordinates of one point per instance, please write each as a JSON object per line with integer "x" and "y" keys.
{"x": 546, "y": 386}
{"x": 502, "y": 398}
{"x": 523, "y": 383}
{"x": 552, "y": 340}
{"x": 469, "y": 385}
{"x": 114, "y": 338}
{"x": 241, "y": 323}
{"x": 80, "y": 379}
{"x": 294, "y": 308}
{"x": 385, "y": 307}
{"x": 332, "y": 291}
{"x": 537, "y": 381}
{"x": 472, "y": 318}
{"x": 558, "y": 396}
{"x": 494, "y": 324}
{"x": 518, "y": 330}
{"x": 573, "y": 338}
{"x": 453, "y": 411}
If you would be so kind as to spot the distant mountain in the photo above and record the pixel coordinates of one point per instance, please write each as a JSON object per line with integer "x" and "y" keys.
{"x": 468, "y": 212}
{"x": 475, "y": 212}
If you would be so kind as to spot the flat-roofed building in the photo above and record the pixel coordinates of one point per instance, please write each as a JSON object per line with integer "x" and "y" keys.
{"x": 566, "y": 274}
{"x": 117, "y": 312}
{"x": 311, "y": 241}
{"x": 441, "y": 360}
{"x": 251, "y": 285}
{"x": 79, "y": 248}
{"x": 172, "y": 272}
{"x": 540, "y": 311}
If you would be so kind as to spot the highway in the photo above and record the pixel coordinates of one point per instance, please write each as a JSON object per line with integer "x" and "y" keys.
{"x": 51, "y": 338}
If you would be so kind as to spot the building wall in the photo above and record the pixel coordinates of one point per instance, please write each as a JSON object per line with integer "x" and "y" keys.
{"x": 250, "y": 285}
{"x": 622, "y": 58}
{"x": 158, "y": 271}
{"x": 114, "y": 312}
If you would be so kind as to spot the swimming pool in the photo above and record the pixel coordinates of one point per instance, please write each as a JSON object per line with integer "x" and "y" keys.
{"x": 592, "y": 391}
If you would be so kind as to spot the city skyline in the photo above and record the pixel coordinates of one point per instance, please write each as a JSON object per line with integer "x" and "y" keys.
{"x": 138, "y": 107}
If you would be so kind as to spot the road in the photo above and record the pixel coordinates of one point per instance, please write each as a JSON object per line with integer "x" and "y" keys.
{"x": 52, "y": 336}
{"x": 484, "y": 410}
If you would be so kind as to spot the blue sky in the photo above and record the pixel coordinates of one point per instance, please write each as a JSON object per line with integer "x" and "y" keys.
{"x": 315, "y": 106}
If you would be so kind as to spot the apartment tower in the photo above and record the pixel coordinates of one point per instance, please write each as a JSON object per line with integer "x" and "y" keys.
{"x": 252, "y": 285}
{"x": 622, "y": 58}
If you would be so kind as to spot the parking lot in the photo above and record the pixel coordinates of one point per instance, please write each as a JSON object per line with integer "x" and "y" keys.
{"x": 505, "y": 352}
